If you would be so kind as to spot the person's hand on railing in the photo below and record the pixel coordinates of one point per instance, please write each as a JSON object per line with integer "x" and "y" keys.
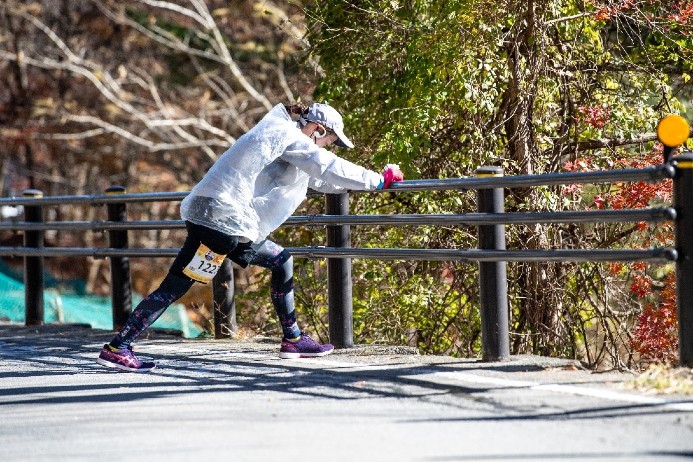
{"x": 391, "y": 174}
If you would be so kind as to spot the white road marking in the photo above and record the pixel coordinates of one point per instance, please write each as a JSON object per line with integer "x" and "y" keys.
{"x": 592, "y": 392}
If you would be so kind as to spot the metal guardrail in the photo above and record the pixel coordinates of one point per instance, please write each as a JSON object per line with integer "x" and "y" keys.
{"x": 661, "y": 255}
{"x": 550, "y": 179}
{"x": 468, "y": 219}
{"x": 490, "y": 219}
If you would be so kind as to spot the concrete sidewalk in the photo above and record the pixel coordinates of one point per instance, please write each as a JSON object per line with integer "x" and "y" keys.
{"x": 238, "y": 401}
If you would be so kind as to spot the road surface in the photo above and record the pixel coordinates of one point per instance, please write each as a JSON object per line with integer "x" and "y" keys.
{"x": 236, "y": 400}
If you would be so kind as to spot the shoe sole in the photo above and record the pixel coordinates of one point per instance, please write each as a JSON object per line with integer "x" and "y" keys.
{"x": 287, "y": 355}
{"x": 120, "y": 367}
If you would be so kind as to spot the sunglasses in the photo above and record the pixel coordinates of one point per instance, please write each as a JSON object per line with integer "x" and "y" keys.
{"x": 325, "y": 132}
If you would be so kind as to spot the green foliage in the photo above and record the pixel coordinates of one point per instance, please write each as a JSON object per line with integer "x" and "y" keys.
{"x": 443, "y": 87}
{"x": 403, "y": 304}
{"x": 408, "y": 83}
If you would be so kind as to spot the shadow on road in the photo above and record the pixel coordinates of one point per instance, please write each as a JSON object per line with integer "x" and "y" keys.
{"x": 36, "y": 361}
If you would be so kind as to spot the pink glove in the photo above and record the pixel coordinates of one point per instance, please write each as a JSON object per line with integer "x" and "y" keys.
{"x": 391, "y": 174}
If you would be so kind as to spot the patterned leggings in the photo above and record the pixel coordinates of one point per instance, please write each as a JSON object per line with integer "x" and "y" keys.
{"x": 266, "y": 254}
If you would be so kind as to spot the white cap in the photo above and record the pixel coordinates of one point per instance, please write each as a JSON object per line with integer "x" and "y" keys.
{"x": 328, "y": 117}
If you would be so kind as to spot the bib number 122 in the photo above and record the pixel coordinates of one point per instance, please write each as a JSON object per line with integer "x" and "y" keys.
{"x": 204, "y": 265}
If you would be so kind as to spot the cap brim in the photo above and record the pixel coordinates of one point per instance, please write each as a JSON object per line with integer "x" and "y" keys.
{"x": 342, "y": 140}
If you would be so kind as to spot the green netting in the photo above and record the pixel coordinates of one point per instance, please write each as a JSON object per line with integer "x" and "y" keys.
{"x": 84, "y": 309}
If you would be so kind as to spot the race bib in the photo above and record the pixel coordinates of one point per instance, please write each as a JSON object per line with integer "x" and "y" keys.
{"x": 204, "y": 265}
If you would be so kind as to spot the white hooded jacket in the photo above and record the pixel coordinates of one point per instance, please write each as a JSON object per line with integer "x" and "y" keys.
{"x": 264, "y": 176}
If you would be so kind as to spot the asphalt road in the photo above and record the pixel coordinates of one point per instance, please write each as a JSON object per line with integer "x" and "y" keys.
{"x": 237, "y": 401}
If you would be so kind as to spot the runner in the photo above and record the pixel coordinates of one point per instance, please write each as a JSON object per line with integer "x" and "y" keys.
{"x": 249, "y": 192}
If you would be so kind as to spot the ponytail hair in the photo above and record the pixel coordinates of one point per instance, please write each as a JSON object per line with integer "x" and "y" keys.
{"x": 297, "y": 109}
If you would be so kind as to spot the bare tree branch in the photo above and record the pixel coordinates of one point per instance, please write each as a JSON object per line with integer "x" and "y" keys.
{"x": 162, "y": 123}
{"x": 588, "y": 145}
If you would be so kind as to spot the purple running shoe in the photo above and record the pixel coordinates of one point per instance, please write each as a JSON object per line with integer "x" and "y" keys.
{"x": 125, "y": 360}
{"x": 304, "y": 347}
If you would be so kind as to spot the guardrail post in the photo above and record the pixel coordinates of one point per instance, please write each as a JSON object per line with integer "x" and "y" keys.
{"x": 493, "y": 281}
{"x": 683, "y": 203}
{"x": 339, "y": 288}
{"x": 34, "y": 283}
{"x": 224, "y": 306}
{"x": 121, "y": 287}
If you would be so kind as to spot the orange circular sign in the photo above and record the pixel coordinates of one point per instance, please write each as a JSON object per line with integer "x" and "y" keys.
{"x": 673, "y": 130}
